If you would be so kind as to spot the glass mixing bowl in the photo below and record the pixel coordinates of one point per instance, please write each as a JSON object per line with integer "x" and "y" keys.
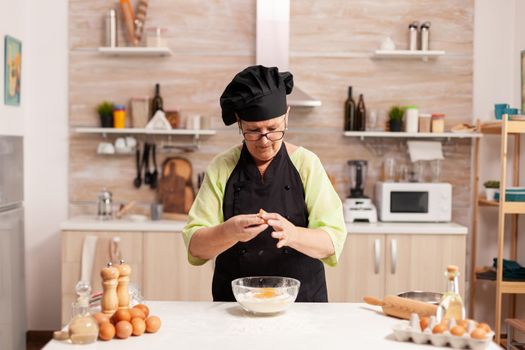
{"x": 265, "y": 294}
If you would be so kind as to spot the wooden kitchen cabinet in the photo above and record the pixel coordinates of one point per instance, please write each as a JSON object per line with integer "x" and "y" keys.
{"x": 167, "y": 273}
{"x": 130, "y": 246}
{"x": 407, "y": 262}
{"x": 160, "y": 266}
{"x": 360, "y": 270}
{"x": 419, "y": 262}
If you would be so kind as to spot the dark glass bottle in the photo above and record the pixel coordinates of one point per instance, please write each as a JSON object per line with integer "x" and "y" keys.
{"x": 156, "y": 102}
{"x": 360, "y": 115}
{"x": 349, "y": 111}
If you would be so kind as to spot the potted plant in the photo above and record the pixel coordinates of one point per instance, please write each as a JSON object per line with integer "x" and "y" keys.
{"x": 395, "y": 118}
{"x": 105, "y": 111}
{"x": 491, "y": 188}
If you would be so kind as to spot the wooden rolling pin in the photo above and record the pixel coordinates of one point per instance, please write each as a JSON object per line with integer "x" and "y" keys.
{"x": 402, "y": 307}
{"x": 123, "y": 210}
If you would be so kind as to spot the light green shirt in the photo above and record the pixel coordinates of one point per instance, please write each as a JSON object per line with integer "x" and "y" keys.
{"x": 325, "y": 210}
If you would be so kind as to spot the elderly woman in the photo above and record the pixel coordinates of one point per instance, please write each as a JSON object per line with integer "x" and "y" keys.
{"x": 303, "y": 224}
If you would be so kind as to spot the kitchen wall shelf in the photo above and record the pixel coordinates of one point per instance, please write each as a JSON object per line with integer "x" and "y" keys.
{"x": 139, "y": 132}
{"x": 484, "y": 202}
{"x": 513, "y": 127}
{"x": 407, "y": 54}
{"x": 423, "y": 135}
{"x": 135, "y": 51}
{"x": 504, "y": 128}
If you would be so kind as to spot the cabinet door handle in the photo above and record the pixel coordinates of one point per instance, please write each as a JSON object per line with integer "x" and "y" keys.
{"x": 377, "y": 255}
{"x": 393, "y": 256}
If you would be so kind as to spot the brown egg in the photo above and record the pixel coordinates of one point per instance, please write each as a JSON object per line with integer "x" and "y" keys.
{"x": 121, "y": 315}
{"x": 463, "y": 323}
{"x": 123, "y": 329}
{"x": 478, "y": 333}
{"x": 485, "y": 326}
{"x": 106, "y": 331}
{"x": 439, "y": 328}
{"x": 458, "y": 331}
{"x": 139, "y": 326}
{"x": 144, "y": 309}
{"x": 101, "y": 318}
{"x": 423, "y": 323}
{"x": 152, "y": 324}
{"x": 137, "y": 312}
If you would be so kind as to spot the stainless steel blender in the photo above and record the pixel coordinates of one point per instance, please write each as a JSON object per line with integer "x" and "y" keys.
{"x": 358, "y": 207}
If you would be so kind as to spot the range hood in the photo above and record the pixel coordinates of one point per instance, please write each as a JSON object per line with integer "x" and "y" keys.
{"x": 273, "y": 45}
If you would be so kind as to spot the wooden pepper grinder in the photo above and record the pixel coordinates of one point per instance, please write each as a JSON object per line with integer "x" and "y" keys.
{"x": 123, "y": 282}
{"x": 109, "y": 303}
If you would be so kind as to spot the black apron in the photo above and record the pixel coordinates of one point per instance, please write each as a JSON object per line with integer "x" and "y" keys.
{"x": 281, "y": 192}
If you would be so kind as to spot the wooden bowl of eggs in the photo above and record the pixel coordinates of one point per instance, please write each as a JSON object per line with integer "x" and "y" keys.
{"x": 457, "y": 334}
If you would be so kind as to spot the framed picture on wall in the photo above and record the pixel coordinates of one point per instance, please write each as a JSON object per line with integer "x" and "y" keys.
{"x": 12, "y": 70}
{"x": 522, "y": 61}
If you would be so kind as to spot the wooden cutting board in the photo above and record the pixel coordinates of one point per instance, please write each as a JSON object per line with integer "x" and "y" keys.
{"x": 175, "y": 188}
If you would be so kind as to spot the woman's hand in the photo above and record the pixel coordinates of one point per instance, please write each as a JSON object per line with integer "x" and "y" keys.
{"x": 285, "y": 231}
{"x": 244, "y": 227}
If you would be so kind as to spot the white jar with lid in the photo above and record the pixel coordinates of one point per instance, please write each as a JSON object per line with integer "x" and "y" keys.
{"x": 424, "y": 122}
{"x": 425, "y": 36}
{"x": 412, "y": 36}
{"x": 411, "y": 118}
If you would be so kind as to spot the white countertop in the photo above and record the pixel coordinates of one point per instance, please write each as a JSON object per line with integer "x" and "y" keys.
{"x": 208, "y": 325}
{"x": 430, "y": 228}
{"x": 91, "y": 223}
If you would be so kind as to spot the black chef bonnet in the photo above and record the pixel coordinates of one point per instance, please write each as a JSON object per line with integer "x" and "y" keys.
{"x": 257, "y": 93}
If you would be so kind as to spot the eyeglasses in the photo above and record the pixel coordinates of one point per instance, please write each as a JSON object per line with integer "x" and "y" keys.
{"x": 271, "y": 135}
{"x": 256, "y": 136}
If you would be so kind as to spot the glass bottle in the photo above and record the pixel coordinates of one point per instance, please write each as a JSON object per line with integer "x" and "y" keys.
{"x": 83, "y": 328}
{"x": 156, "y": 102}
{"x": 349, "y": 111}
{"x": 451, "y": 305}
{"x": 360, "y": 115}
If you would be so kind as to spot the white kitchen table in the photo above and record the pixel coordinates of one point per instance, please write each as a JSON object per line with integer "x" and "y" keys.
{"x": 209, "y": 325}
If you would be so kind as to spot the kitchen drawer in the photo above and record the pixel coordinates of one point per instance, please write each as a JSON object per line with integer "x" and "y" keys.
{"x": 379, "y": 265}
{"x": 167, "y": 273}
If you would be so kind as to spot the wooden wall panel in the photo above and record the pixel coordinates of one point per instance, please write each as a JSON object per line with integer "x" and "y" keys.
{"x": 331, "y": 44}
{"x": 359, "y": 26}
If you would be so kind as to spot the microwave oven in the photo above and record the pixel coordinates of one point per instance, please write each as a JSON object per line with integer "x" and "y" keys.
{"x": 414, "y": 201}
